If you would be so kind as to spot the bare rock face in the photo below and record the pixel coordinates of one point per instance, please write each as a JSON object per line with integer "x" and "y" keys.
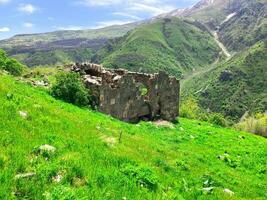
{"x": 131, "y": 96}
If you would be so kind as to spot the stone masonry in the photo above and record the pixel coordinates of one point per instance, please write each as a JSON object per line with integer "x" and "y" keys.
{"x": 131, "y": 96}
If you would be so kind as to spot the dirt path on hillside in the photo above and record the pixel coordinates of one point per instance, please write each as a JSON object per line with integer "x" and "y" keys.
{"x": 221, "y": 45}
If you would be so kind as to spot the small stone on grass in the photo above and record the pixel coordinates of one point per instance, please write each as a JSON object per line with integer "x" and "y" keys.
{"x": 23, "y": 114}
{"x": 231, "y": 193}
{"x": 25, "y": 175}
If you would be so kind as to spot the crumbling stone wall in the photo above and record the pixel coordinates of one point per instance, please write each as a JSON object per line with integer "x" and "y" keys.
{"x": 131, "y": 96}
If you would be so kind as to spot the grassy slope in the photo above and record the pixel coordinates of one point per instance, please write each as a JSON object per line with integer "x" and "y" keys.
{"x": 93, "y": 169}
{"x": 168, "y": 44}
{"x": 245, "y": 92}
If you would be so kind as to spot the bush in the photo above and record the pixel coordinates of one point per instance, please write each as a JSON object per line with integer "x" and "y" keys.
{"x": 2, "y": 58}
{"x": 70, "y": 88}
{"x": 144, "y": 176}
{"x": 10, "y": 65}
{"x": 218, "y": 119}
{"x": 13, "y": 67}
{"x": 189, "y": 108}
{"x": 254, "y": 124}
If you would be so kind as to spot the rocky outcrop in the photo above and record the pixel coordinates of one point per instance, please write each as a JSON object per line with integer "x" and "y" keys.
{"x": 131, "y": 96}
{"x": 226, "y": 75}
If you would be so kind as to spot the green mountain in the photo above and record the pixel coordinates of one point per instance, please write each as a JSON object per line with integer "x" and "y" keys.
{"x": 61, "y": 46}
{"x": 88, "y": 154}
{"x": 246, "y": 27}
{"x": 235, "y": 86}
{"x": 169, "y": 44}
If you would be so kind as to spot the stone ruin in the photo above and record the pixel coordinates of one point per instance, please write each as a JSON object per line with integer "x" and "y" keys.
{"x": 131, "y": 96}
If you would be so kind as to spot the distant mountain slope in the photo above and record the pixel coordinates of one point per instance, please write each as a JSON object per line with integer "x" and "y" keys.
{"x": 33, "y": 49}
{"x": 211, "y": 12}
{"x": 245, "y": 27}
{"x": 236, "y": 86}
{"x": 168, "y": 44}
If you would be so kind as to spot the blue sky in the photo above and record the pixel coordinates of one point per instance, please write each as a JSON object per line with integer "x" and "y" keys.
{"x": 35, "y": 16}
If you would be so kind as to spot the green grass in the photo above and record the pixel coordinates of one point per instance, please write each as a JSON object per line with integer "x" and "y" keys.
{"x": 172, "y": 45}
{"x": 150, "y": 162}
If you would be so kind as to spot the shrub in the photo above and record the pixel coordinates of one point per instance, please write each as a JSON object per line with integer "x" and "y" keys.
{"x": 2, "y": 58}
{"x": 70, "y": 88}
{"x": 254, "y": 124}
{"x": 10, "y": 65}
{"x": 189, "y": 108}
{"x": 144, "y": 176}
{"x": 218, "y": 119}
{"x": 13, "y": 67}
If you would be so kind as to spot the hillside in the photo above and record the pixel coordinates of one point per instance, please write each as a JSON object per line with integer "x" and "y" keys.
{"x": 169, "y": 44}
{"x": 235, "y": 86}
{"x": 193, "y": 160}
{"x": 44, "y": 48}
{"x": 239, "y": 23}
{"x": 246, "y": 27}
{"x": 212, "y": 12}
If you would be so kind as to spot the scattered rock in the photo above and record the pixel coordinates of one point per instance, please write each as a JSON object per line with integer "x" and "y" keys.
{"x": 162, "y": 123}
{"x": 231, "y": 193}
{"x": 208, "y": 189}
{"x": 25, "y": 175}
{"x": 224, "y": 156}
{"x": 47, "y": 148}
{"x": 110, "y": 141}
{"x": 57, "y": 178}
{"x": 40, "y": 83}
{"x": 124, "y": 198}
{"x": 23, "y": 114}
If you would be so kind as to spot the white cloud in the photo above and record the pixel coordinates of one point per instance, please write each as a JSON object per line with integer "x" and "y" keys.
{"x": 4, "y": 29}
{"x": 133, "y": 7}
{"x": 4, "y": 1}
{"x": 27, "y": 8}
{"x": 99, "y": 2}
{"x": 153, "y": 10}
{"x": 28, "y": 25}
{"x": 127, "y": 15}
{"x": 111, "y": 23}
